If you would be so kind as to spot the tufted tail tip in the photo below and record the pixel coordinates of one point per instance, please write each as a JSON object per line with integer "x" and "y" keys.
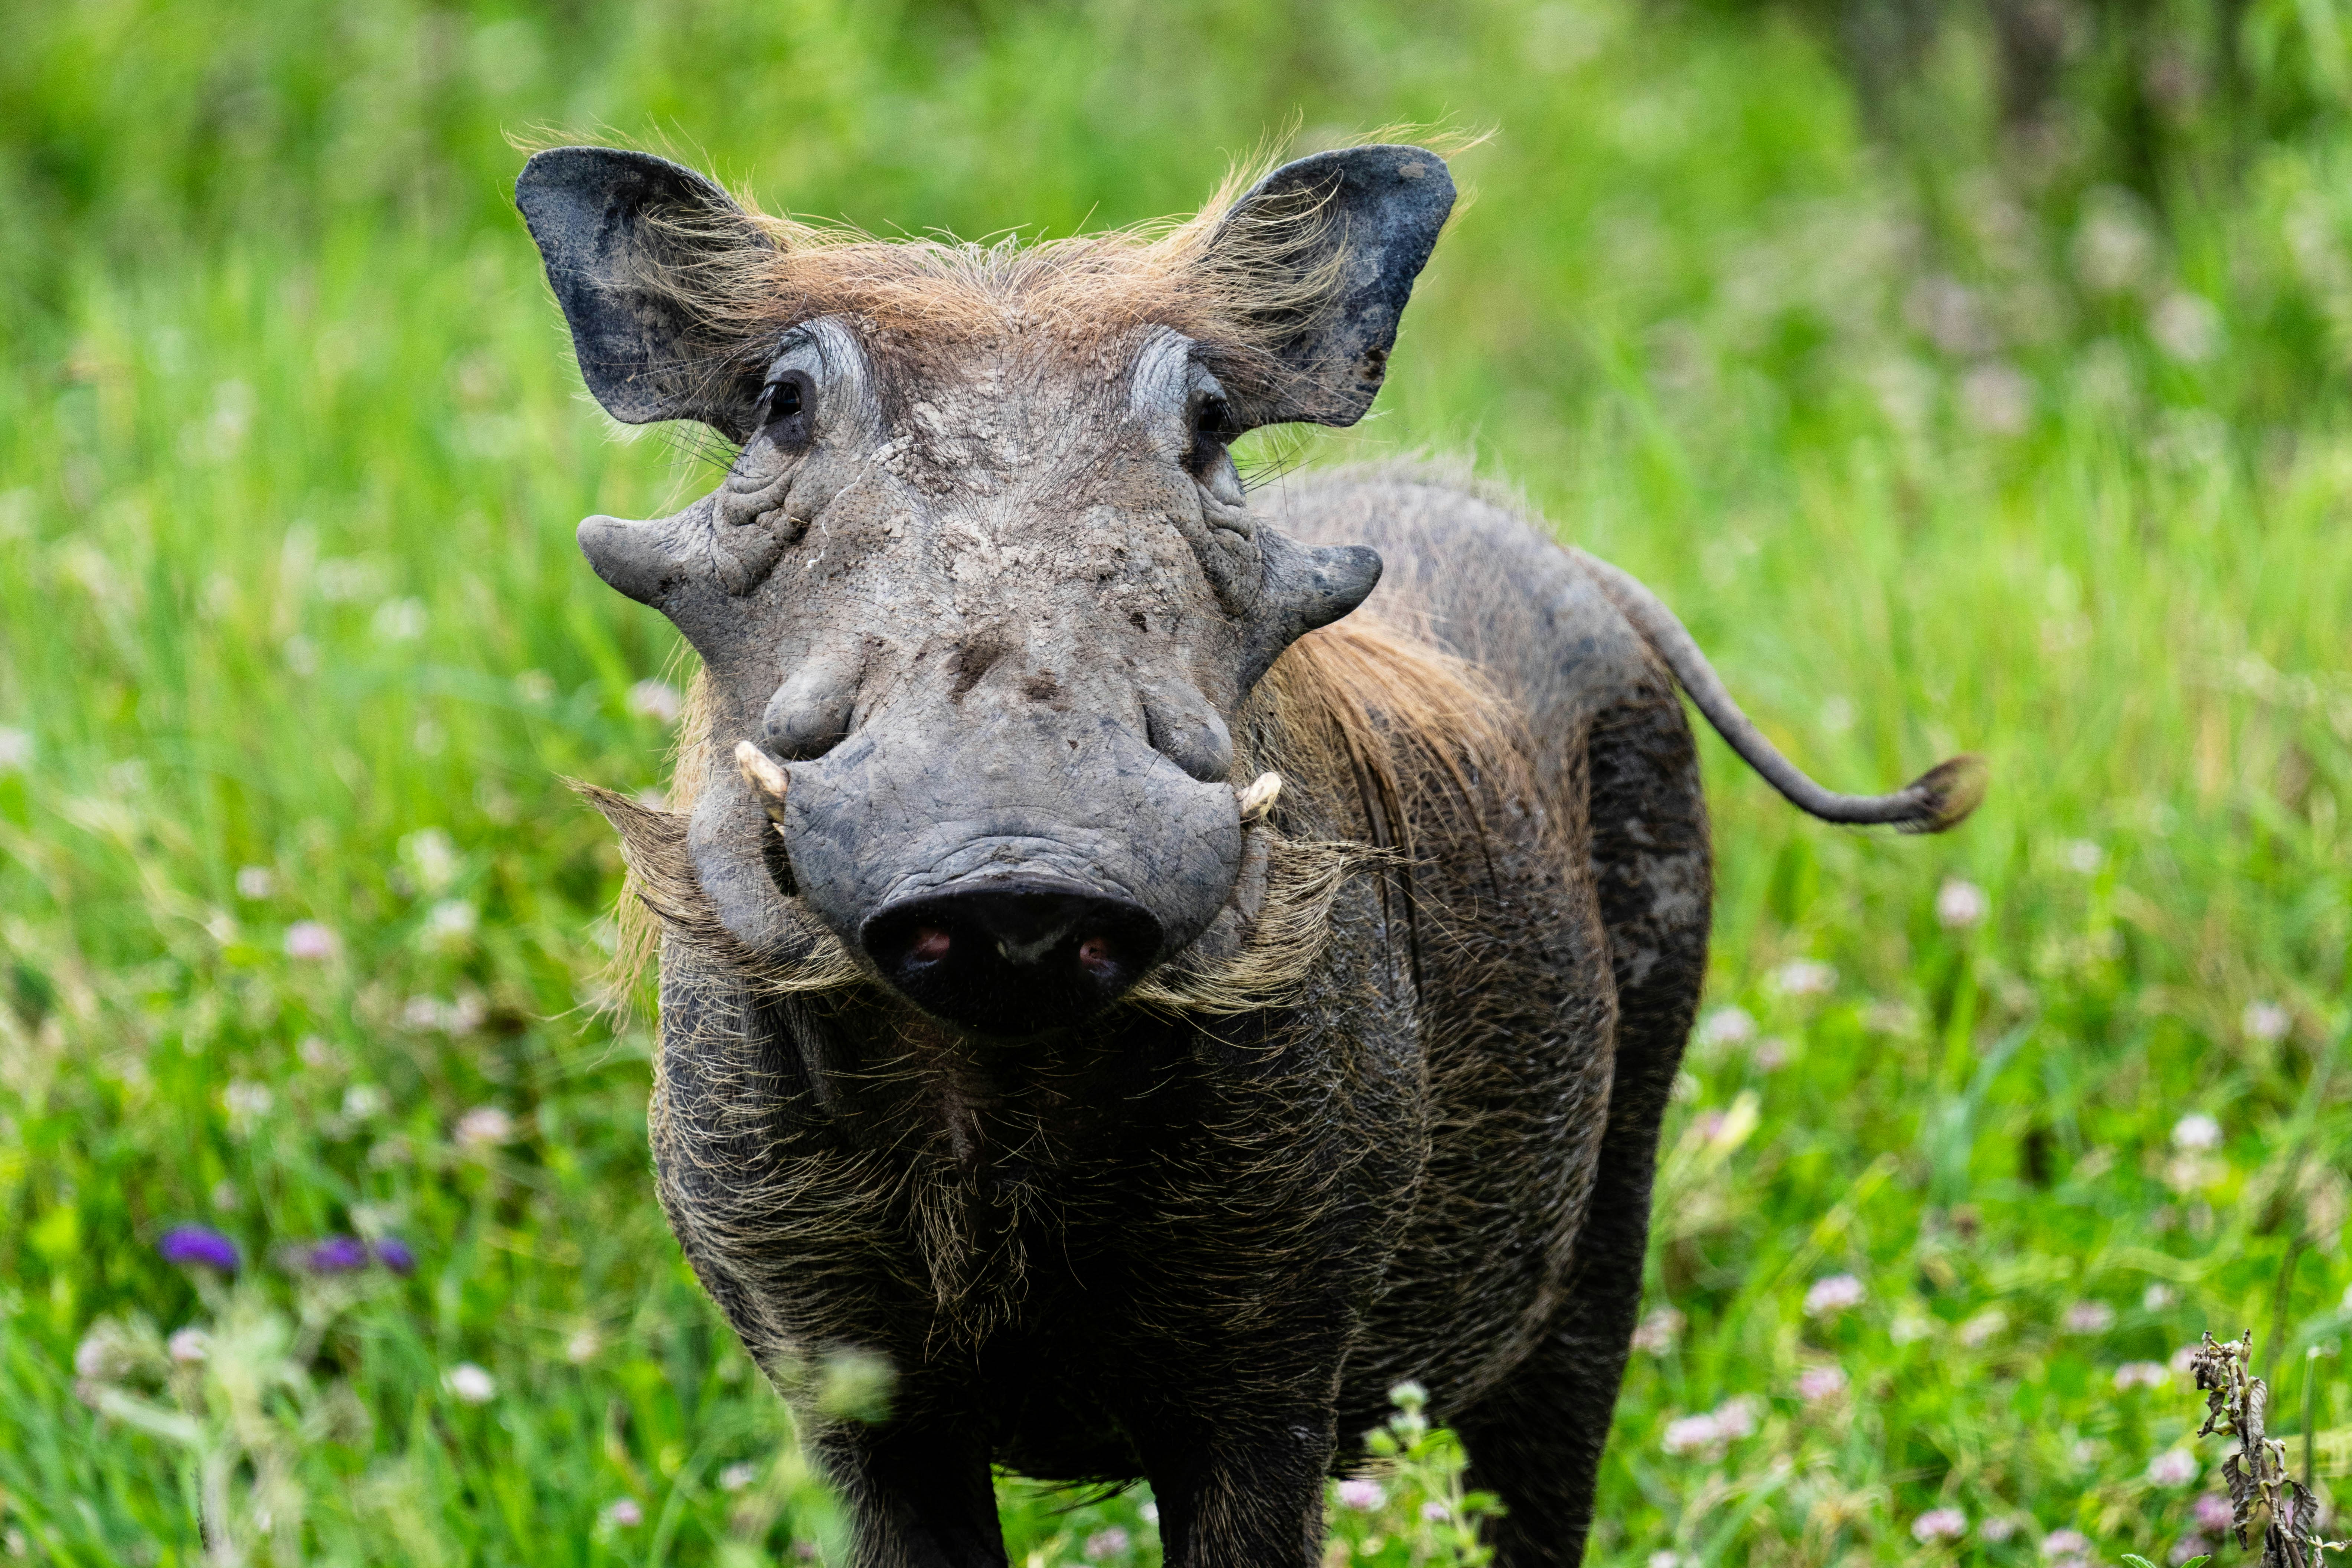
{"x": 1947, "y": 793}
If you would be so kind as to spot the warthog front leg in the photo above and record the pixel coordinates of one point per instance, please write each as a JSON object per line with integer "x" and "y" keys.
{"x": 918, "y": 1494}
{"x": 1240, "y": 1494}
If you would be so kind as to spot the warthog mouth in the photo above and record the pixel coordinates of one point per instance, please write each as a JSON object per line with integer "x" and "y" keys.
{"x": 1258, "y": 953}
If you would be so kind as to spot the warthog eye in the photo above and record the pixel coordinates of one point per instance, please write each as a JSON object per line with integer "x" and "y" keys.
{"x": 1213, "y": 430}
{"x": 786, "y": 409}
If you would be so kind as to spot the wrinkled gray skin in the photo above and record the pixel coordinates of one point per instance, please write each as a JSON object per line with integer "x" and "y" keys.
{"x": 999, "y": 624}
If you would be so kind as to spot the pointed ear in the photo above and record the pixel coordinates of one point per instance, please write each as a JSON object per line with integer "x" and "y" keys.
{"x": 1352, "y": 229}
{"x": 622, "y": 233}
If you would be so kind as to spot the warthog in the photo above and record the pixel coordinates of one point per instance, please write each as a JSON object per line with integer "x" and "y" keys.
{"x": 1153, "y": 989}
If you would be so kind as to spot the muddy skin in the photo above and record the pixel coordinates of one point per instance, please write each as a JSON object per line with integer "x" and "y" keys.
{"x": 1158, "y": 965}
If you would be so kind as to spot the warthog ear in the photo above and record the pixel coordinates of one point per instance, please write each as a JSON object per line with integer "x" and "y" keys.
{"x": 623, "y": 234}
{"x": 1344, "y": 235}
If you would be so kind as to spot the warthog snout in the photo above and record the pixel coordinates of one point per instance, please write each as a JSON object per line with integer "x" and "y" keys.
{"x": 1010, "y": 865}
{"x": 1012, "y": 956}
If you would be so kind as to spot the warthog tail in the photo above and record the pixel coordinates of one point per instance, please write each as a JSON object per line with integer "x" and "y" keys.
{"x": 1940, "y": 798}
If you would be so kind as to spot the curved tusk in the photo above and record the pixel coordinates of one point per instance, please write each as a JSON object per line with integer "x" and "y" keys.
{"x": 1259, "y": 797}
{"x": 768, "y": 780}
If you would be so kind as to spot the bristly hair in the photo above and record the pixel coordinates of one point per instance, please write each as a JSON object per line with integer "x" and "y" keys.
{"x": 1238, "y": 284}
{"x": 1265, "y": 276}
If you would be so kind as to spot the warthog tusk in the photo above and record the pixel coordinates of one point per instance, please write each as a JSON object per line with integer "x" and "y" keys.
{"x": 1259, "y": 798}
{"x": 767, "y": 781}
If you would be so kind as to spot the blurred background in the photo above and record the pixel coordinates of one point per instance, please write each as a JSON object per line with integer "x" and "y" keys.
{"x": 1969, "y": 373}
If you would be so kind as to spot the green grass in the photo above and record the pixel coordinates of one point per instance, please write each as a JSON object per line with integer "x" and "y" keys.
{"x": 291, "y": 450}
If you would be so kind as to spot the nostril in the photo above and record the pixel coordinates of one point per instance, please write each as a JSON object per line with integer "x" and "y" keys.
{"x": 1012, "y": 957}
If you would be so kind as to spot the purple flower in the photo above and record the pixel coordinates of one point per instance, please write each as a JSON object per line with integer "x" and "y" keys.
{"x": 395, "y": 1254}
{"x": 1940, "y": 1524}
{"x": 310, "y": 940}
{"x": 2213, "y": 1511}
{"x": 195, "y": 1247}
{"x": 1833, "y": 1294}
{"x": 1819, "y": 1384}
{"x": 335, "y": 1255}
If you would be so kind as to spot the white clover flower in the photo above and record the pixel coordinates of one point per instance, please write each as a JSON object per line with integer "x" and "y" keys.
{"x": 248, "y": 1104}
{"x": 1940, "y": 1524}
{"x": 366, "y": 1101}
{"x": 623, "y": 1514}
{"x": 584, "y": 1346}
{"x": 1771, "y": 1054}
{"x": 431, "y": 855}
{"x": 1105, "y": 1543}
{"x": 400, "y": 620}
{"x": 1361, "y": 1494}
{"x": 2082, "y": 856}
{"x": 1997, "y": 399}
{"x": 2066, "y": 1543}
{"x": 656, "y": 699}
{"x": 2113, "y": 250}
{"x": 105, "y": 1353}
{"x": 1738, "y": 1416}
{"x": 471, "y": 1384}
{"x": 1834, "y": 1293}
{"x": 1803, "y": 977}
{"x": 1983, "y": 1327}
{"x": 1690, "y": 1435}
{"x": 1727, "y": 1027}
{"x": 256, "y": 882}
{"x": 189, "y": 1347}
{"x": 1659, "y": 1331}
{"x": 310, "y": 941}
{"x": 450, "y": 924}
{"x": 2156, "y": 1297}
{"x": 2266, "y": 1022}
{"x": 2001, "y": 1527}
{"x": 2185, "y": 327}
{"x": 1819, "y": 1384}
{"x": 15, "y": 749}
{"x": 1960, "y": 905}
{"x": 482, "y": 1128}
{"x": 2089, "y": 1318}
{"x": 2196, "y": 1132}
{"x": 2141, "y": 1375}
{"x": 2174, "y": 1468}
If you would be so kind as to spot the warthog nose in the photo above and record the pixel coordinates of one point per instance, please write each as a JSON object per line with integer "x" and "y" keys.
{"x": 1012, "y": 957}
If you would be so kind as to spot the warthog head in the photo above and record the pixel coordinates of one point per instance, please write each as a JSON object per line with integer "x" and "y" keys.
{"x": 980, "y": 594}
